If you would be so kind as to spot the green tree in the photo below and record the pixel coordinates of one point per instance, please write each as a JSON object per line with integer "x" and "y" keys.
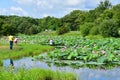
{"x": 32, "y": 30}
{"x": 116, "y": 16}
{"x": 108, "y": 28}
{"x": 106, "y": 15}
{"x": 74, "y": 19}
{"x": 90, "y": 16}
{"x": 63, "y": 29}
{"x": 85, "y": 28}
{"x": 1, "y": 23}
{"x": 94, "y": 30}
{"x": 103, "y": 6}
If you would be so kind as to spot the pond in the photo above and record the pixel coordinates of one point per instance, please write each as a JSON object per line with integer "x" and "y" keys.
{"x": 83, "y": 73}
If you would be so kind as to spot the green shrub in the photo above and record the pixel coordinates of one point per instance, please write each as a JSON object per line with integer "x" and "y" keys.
{"x": 94, "y": 30}
{"x": 119, "y": 31}
{"x": 85, "y": 28}
{"x": 108, "y": 28}
{"x": 62, "y": 30}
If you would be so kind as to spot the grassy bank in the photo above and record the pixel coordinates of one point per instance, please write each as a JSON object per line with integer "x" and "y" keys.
{"x": 35, "y": 74}
{"x": 22, "y": 50}
{"x": 31, "y": 74}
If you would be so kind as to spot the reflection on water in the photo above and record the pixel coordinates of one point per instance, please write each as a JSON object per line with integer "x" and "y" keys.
{"x": 11, "y": 62}
{"x": 83, "y": 73}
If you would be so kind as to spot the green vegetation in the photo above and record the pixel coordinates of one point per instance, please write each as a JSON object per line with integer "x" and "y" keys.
{"x": 1, "y": 62}
{"x": 108, "y": 28}
{"x": 70, "y": 47}
{"x": 89, "y": 49}
{"x": 35, "y": 74}
{"x": 85, "y": 41}
{"x": 85, "y": 29}
{"x": 28, "y": 46}
{"x": 22, "y": 50}
{"x": 104, "y": 50}
{"x": 73, "y": 33}
{"x": 103, "y": 20}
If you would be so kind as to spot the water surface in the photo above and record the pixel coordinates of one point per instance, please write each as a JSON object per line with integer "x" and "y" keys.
{"x": 83, "y": 73}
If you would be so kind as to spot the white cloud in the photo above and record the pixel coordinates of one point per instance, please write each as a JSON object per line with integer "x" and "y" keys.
{"x": 18, "y": 11}
{"x": 74, "y": 2}
{"x": 41, "y": 8}
{"x": 68, "y": 10}
{"x": 13, "y": 11}
{"x": 43, "y": 4}
{"x": 38, "y": 4}
{"x": 3, "y": 11}
{"x": 24, "y": 2}
{"x": 45, "y": 15}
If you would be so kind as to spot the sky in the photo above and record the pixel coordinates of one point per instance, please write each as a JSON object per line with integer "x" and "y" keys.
{"x": 44, "y": 8}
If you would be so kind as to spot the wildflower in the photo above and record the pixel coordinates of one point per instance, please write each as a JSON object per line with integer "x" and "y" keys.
{"x": 63, "y": 49}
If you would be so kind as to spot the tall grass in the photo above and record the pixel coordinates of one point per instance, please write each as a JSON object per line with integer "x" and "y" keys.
{"x": 35, "y": 74}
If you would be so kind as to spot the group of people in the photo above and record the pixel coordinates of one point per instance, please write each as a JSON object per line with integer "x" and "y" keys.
{"x": 12, "y": 40}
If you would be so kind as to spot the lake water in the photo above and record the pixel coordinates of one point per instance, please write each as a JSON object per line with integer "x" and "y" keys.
{"x": 83, "y": 73}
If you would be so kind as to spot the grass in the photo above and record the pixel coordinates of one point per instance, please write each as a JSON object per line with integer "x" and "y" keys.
{"x": 22, "y": 50}
{"x": 94, "y": 37}
{"x": 50, "y": 33}
{"x": 1, "y": 62}
{"x": 53, "y": 33}
{"x": 35, "y": 74}
{"x": 31, "y": 74}
{"x": 73, "y": 33}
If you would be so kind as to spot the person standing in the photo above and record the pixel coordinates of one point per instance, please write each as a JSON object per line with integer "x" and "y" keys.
{"x": 11, "y": 38}
{"x": 16, "y": 40}
{"x": 51, "y": 42}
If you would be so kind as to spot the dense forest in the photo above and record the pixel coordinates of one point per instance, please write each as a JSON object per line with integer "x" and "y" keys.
{"x": 103, "y": 20}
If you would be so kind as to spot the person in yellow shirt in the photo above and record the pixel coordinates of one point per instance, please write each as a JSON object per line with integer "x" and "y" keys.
{"x": 11, "y": 38}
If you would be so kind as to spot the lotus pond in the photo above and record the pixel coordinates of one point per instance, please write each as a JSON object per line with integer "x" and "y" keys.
{"x": 89, "y": 59}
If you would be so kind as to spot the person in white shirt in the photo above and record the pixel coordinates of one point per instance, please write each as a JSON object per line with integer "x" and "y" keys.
{"x": 51, "y": 42}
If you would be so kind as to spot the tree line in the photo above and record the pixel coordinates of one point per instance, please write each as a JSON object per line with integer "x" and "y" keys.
{"x": 103, "y": 20}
